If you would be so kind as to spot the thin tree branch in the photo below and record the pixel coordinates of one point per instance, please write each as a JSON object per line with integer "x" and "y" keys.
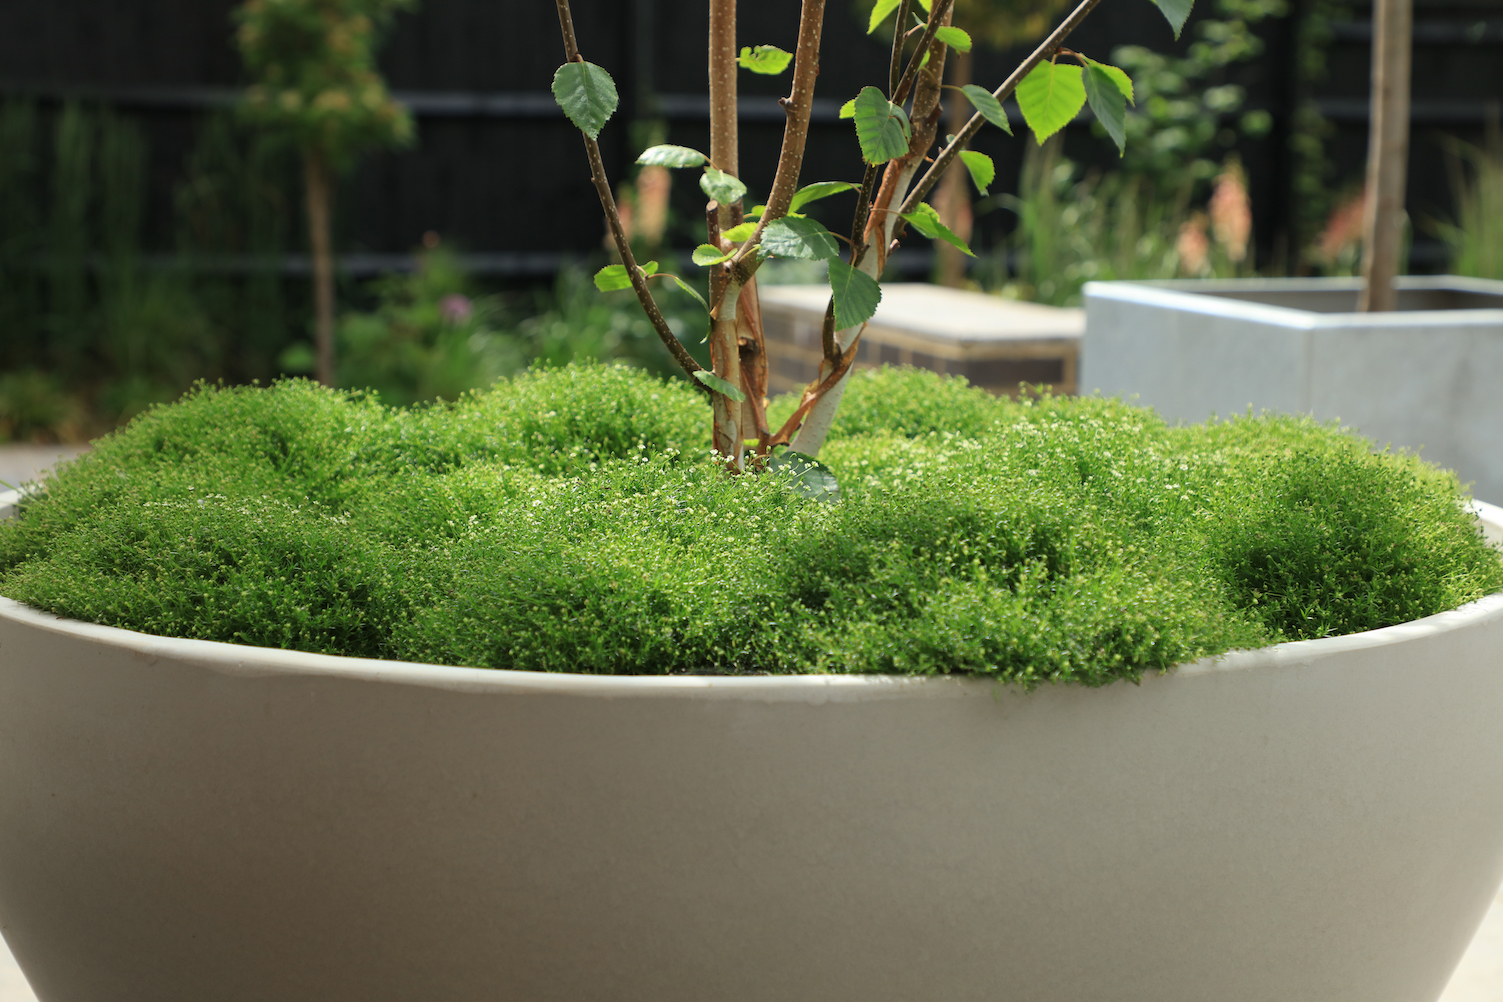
{"x": 613, "y": 219}
{"x": 1002, "y": 93}
{"x": 899, "y": 35}
{"x": 939, "y": 16}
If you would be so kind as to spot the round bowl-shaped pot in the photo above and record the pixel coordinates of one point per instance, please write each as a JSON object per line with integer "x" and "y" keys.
{"x": 185, "y": 820}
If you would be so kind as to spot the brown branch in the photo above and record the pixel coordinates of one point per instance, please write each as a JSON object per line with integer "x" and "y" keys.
{"x": 613, "y": 219}
{"x": 939, "y": 16}
{"x": 899, "y": 36}
{"x": 827, "y": 334}
{"x": 814, "y": 391}
{"x": 1045, "y": 50}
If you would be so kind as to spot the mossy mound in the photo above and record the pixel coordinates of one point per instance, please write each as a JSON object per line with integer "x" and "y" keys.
{"x": 565, "y": 521}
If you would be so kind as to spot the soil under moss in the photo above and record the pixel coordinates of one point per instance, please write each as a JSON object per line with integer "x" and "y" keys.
{"x": 565, "y": 521}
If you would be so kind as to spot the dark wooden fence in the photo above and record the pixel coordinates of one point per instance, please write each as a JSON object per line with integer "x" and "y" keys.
{"x": 500, "y": 173}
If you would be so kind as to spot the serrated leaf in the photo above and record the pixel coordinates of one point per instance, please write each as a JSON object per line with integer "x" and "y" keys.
{"x": 955, "y": 38}
{"x": 722, "y": 187}
{"x": 983, "y": 171}
{"x": 881, "y": 127}
{"x": 991, "y": 109}
{"x": 768, "y": 60}
{"x": 736, "y": 234}
{"x": 672, "y": 156}
{"x": 690, "y": 290}
{"x": 614, "y": 277}
{"x": 1118, "y": 76}
{"x": 1108, "y": 104}
{"x": 808, "y": 477}
{"x": 719, "y": 385}
{"x": 926, "y": 220}
{"x": 924, "y": 4}
{"x": 707, "y": 254}
{"x": 880, "y": 13}
{"x": 1050, "y": 97}
{"x": 800, "y": 238}
{"x": 587, "y": 94}
{"x": 848, "y": 110}
{"x": 819, "y": 189}
{"x": 1175, "y": 12}
{"x": 856, "y": 294}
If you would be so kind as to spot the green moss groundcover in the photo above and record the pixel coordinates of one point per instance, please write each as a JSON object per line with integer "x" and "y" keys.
{"x": 565, "y": 521}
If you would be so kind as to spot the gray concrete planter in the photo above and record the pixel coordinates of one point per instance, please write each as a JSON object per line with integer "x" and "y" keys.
{"x": 1428, "y": 376}
{"x": 186, "y": 820}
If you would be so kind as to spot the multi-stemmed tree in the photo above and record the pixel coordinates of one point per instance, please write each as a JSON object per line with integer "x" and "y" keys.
{"x": 896, "y": 128}
{"x": 316, "y": 82}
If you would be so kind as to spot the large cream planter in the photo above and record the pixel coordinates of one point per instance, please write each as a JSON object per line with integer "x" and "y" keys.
{"x": 186, "y": 820}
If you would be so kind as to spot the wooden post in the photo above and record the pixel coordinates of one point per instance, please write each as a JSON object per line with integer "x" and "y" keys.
{"x": 1387, "y": 154}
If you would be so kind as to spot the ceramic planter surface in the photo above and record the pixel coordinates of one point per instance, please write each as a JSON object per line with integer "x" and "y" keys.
{"x": 1425, "y": 376}
{"x": 186, "y": 820}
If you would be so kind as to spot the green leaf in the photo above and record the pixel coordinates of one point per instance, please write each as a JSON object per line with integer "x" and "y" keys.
{"x": 800, "y": 238}
{"x": 719, "y": 385}
{"x": 881, "y": 126}
{"x": 880, "y": 13}
{"x": 707, "y": 254}
{"x": 690, "y": 290}
{"x": 955, "y": 38}
{"x": 1118, "y": 76}
{"x": 1049, "y": 97}
{"x": 672, "y": 156}
{"x": 613, "y": 276}
{"x": 924, "y": 4}
{"x": 722, "y": 187}
{"x": 1108, "y": 104}
{"x": 587, "y": 94}
{"x": 768, "y": 60}
{"x": 848, "y": 110}
{"x": 736, "y": 234}
{"x": 856, "y": 294}
{"x": 808, "y": 477}
{"x": 926, "y": 220}
{"x": 819, "y": 189}
{"x": 983, "y": 171}
{"x": 991, "y": 109}
{"x": 1175, "y": 12}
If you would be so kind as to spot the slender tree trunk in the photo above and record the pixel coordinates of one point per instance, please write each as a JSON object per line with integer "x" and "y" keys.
{"x": 725, "y": 352}
{"x": 319, "y": 190}
{"x": 1387, "y": 154}
{"x": 954, "y": 202}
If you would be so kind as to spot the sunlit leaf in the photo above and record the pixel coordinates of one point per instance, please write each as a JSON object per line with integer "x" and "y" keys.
{"x": 1175, "y": 12}
{"x": 800, "y": 238}
{"x": 808, "y": 477}
{"x": 707, "y": 254}
{"x": 819, "y": 189}
{"x": 768, "y": 60}
{"x": 926, "y": 220}
{"x": 1050, "y": 97}
{"x": 856, "y": 294}
{"x": 722, "y": 187}
{"x": 880, "y": 13}
{"x": 848, "y": 110}
{"x": 983, "y": 171}
{"x": 991, "y": 109}
{"x": 1108, "y": 104}
{"x": 587, "y": 94}
{"x": 955, "y": 38}
{"x": 672, "y": 156}
{"x": 881, "y": 126}
{"x": 719, "y": 385}
{"x": 613, "y": 276}
{"x": 1118, "y": 76}
{"x": 736, "y": 234}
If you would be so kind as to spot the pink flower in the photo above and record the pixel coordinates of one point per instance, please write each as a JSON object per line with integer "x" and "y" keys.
{"x": 1193, "y": 247}
{"x": 455, "y": 308}
{"x": 1231, "y": 212}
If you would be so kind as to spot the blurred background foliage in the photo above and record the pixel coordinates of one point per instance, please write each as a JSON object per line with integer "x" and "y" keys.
{"x": 104, "y": 316}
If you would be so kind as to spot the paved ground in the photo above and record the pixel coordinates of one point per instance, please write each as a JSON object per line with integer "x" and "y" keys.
{"x": 1478, "y": 979}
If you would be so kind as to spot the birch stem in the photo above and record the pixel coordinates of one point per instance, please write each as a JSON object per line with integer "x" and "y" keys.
{"x": 1387, "y": 155}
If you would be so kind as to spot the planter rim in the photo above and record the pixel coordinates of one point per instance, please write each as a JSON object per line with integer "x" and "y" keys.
{"x": 244, "y": 660}
{"x": 1191, "y": 295}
